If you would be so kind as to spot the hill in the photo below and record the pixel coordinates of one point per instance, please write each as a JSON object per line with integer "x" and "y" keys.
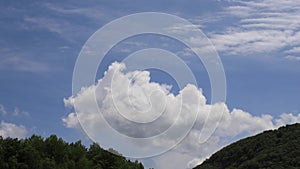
{"x": 54, "y": 153}
{"x": 270, "y": 149}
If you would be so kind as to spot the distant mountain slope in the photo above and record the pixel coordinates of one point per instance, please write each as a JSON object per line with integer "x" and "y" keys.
{"x": 54, "y": 153}
{"x": 274, "y": 149}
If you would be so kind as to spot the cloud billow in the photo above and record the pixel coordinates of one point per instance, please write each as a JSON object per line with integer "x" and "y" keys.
{"x": 134, "y": 94}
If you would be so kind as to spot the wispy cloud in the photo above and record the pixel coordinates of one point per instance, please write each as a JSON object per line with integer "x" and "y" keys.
{"x": 259, "y": 26}
{"x": 13, "y": 60}
{"x": 64, "y": 22}
{"x": 64, "y": 28}
{"x": 52, "y": 24}
{"x": 2, "y": 110}
{"x": 89, "y": 12}
{"x": 293, "y": 50}
{"x": 17, "y": 112}
{"x": 245, "y": 42}
{"x": 292, "y": 58}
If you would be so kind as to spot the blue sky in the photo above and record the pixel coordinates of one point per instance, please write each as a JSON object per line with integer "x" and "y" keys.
{"x": 257, "y": 41}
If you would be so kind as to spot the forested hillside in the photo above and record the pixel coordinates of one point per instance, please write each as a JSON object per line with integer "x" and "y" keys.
{"x": 278, "y": 149}
{"x": 54, "y": 153}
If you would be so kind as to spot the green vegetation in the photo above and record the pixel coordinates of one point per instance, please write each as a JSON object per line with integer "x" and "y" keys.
{"x": 55, "y": 153}
{"x": 271, "y": 149}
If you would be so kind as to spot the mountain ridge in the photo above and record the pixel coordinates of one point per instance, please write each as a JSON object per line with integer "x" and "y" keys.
{"x": 278, "y": 148}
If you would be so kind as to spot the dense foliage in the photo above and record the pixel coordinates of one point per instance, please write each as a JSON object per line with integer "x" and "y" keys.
{"x": 270, "y": 149}
{"x": 55, "y": 153}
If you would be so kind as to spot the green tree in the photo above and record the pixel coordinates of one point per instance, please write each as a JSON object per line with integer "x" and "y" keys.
{"x": 54, "y": 153}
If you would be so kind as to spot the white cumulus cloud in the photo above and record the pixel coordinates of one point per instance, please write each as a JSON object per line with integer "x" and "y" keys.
{"x": 124, "y": 97}
{"x": 12, "y": 130}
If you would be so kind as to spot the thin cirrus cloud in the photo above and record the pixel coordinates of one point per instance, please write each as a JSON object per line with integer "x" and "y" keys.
{"x": 258, "y": 27}
{"x": 22, "y": 64}
{"x": 62, "y": 27}
{"x": 59, "y": 23}
{"x": 85, "y": 11}
{"x": 12, "y": 59}
{"x": 2, "y": 110}
{"x": 234, "y": 125}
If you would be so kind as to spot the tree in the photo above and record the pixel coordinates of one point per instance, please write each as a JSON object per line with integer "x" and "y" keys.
{"x": 55, "y": 153}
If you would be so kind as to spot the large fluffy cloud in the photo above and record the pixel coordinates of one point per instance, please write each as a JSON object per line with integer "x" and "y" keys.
{"x": 129, "y": 100}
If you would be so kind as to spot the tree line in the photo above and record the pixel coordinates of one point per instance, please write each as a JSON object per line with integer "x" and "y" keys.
{"x": 54, "y": 153}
